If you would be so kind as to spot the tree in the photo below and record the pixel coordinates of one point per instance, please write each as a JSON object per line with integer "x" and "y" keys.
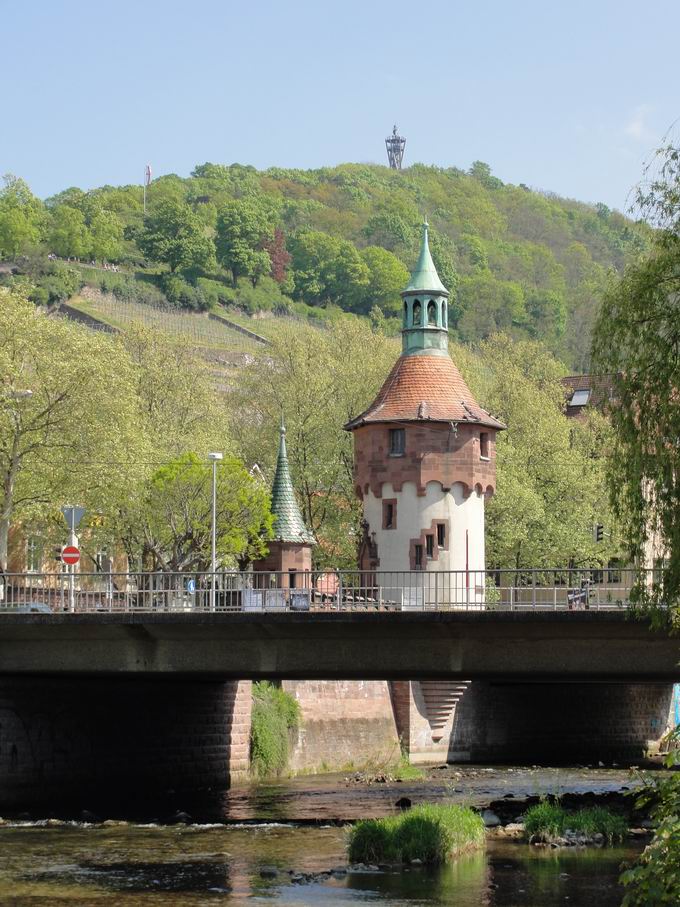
{"x": 69, "y": 420}
{"x": 68, "y": 234}
{"x": 637, "y": 340}
{"x": 243, "y": 228}
{"x": 317, "y": 394}
{"x": 175, "y": 528}
{"x": 279, "y": 257}
{"x": 387, "y": 277}
{"x": 21, "y": 217}
{"x": 106, "y": 236}
{"x": 550, "y": 469}
{"x": 175, "y": 235}
{"x": 328, "y": 271}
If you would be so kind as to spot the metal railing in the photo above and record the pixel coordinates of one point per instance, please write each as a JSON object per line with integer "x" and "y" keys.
{"x": 330, "y": 590}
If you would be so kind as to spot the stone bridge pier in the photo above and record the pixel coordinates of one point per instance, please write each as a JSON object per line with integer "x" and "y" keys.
{"x": 113, "y": 738}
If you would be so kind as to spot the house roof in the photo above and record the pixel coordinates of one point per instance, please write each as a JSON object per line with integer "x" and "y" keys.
{"x": 424, "y": 388}
{"x": 597, "y": 392}
{"x": 288, "y": 523}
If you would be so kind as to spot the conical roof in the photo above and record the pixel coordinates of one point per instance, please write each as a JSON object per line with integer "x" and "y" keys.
{"x": 424, "y": 277}
{"x": 288, "y": 523}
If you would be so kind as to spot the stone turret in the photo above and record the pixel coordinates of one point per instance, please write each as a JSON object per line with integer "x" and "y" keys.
{"x": 290, "y": 551}
{"x": 424, "y": 450}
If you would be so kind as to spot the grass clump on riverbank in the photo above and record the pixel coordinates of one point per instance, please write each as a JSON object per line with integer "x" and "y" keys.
{"x": 275, "y": 715}
{"x": 548, "y": 821}
{"x": 429, "y": 833}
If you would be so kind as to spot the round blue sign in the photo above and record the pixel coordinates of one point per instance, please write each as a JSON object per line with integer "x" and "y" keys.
{"x": 191, "y": 586}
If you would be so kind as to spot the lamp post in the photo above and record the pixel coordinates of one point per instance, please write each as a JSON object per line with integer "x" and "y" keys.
{"x": 214, "y": 459}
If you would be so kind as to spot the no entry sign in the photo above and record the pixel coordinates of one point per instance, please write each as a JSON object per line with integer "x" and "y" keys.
{"x": 70, "y": 554}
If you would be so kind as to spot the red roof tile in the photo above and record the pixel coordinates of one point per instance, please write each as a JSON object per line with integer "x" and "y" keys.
{"x": 601, "y": 394}
{"x": 424, "y": 388}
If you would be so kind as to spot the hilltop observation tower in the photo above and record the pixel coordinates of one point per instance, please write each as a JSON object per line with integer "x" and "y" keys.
{"x": 395, "y": 145}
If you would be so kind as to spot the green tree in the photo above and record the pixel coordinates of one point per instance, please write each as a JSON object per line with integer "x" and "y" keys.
{"x": 317, "y": 394}
{"x": 175, "y": 528}
{"x": 175, "y": 235}
{"x": 69, "y": 418}
{"x": 243, "y": 228}
{"x": 106, "y": 236}
{"x": 22, "y": 217}
{"x": 550, "y": 469}
{"x": 387, "y": 277}
{"x": 637, "y": 341}
{"x": 328, "y": 271}
{"x": 69, "y": 236}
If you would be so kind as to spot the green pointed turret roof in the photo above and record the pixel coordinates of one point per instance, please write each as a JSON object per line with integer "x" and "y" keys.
{"x": 288, "y": 523}
{"x": 424, "y": 276}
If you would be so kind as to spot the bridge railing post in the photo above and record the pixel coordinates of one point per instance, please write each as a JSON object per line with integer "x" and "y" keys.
{"x": 339, "y": 603}
{"x": 533, "y": 589}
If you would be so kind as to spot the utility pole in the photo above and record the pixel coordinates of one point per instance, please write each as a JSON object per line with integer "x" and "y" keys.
{"x": 215, "y": 459}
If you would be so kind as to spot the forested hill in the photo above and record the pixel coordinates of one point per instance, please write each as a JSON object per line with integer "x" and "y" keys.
{"x": 316, "y": 241}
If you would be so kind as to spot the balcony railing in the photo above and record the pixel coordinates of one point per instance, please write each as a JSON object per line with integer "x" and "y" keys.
{"x": 330, "y": 590}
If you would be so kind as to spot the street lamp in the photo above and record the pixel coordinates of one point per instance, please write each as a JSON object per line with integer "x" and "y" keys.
{"x": 214, "y": 459}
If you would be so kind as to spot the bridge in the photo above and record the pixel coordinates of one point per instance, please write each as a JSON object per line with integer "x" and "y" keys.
{"x": 124, "y": 682}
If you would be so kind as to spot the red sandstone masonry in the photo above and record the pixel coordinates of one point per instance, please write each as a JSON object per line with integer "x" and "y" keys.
{"x": 433, "y": 453}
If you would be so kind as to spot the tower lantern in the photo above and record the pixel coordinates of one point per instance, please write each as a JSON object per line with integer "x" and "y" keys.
{"x": 395, "y": 145}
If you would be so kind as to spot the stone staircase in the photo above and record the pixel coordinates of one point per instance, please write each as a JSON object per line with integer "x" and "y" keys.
{"x": 441, "y": 698}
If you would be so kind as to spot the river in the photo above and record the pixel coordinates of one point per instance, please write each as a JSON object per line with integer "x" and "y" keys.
{"x": 276, "y": 844}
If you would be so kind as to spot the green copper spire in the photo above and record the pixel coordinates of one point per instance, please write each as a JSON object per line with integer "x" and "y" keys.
{"x": 288, "y": 523}
{"x": 425, "y": 275}
{"x": 425, "y": 326}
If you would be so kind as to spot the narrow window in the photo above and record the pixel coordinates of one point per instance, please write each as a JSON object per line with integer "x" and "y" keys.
{"x": 292, "y": 579}
{"x": 484, "y": 445}
{"x": 441, "y": 535}
{"x": 34, "y": 555}
{"x": 416, "y": 312}
{"x": 429, "y": 545}
{"x": 418, "y": 555}
{"x": 431, "y": 313}
{"x": 397, "y": 442}
{"x": 405, "y": 314}
{"x": 445, "y": 315}
{"x": 389, "y": 521}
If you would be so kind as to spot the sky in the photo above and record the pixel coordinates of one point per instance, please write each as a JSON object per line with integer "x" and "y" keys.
{"x": 567, "y": 96}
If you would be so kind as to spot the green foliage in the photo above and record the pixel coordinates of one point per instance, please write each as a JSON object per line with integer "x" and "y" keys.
{"x": 181, "y": 294}
{"x": 68, "y": 234}
{"x": 275, "y": 715}
{"x": 548, "y": 820}
{"x": 21, "y": 218}
{"x": 328, "y": 270}
{"x": 175, "y": 235}
{"x": 430, "y": 833}
{"x": 654, "y": 879}
{"x": 243, "y": 228}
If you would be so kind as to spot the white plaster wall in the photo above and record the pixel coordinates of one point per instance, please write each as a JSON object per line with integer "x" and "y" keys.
{"x": 416, "y": 513}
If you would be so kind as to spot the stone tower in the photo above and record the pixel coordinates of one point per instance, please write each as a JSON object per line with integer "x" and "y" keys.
{"x": 424, "y": 450}
{"x": 290, "y": 551}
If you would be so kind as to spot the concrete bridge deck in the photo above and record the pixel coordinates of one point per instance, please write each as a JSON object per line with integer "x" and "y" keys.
{"x": 520, "y": 646}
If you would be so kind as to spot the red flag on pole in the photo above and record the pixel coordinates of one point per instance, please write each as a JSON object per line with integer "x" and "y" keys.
{"x": 147, "y": 175}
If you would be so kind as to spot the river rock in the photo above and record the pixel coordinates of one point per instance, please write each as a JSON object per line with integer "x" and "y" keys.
{"x": 514, "y": 828}
{"x": 404, "y": 803}
{"x": 490, "y": 819}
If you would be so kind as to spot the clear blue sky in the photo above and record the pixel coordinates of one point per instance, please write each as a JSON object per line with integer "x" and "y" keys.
{"x": 565, "y": 95}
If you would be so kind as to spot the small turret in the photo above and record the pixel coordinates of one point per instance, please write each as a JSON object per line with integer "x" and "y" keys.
{"x": 425, "y": 325}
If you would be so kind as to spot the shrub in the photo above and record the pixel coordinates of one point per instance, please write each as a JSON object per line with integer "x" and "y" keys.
{"x": 432, "y": 833}
{"x": 275, "y": 714}
{"x": 181, "y": 294}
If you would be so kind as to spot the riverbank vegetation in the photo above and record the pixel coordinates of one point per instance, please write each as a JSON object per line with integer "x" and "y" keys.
{"x": 430, "y": 833}
{"x": 275, "y": 716}
{"x": 549, "y": 822}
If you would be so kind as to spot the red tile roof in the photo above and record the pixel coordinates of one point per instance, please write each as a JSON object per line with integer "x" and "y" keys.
{"x": 425, "y": 388}
{"x": 601, "y": 387}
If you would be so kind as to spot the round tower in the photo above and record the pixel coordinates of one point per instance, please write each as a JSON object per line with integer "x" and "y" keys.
{"x": 424, "y": 450}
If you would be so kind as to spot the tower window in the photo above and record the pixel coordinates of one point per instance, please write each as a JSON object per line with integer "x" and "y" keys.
{"x": 397, "y": 442}
{"x": 416, "y": 312}
{"x": 441, "y": 535}
{"x": 418, "y": 555}
{"x": 405, "y": 314}
{"x": 445, "y": 315}
{"x": 292, "y": 579}
{"x": 484, "y": 445}
{"x": 389, "y": 514}
{"x": 429, "y": 545}
{"x": 431, "y": 313}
